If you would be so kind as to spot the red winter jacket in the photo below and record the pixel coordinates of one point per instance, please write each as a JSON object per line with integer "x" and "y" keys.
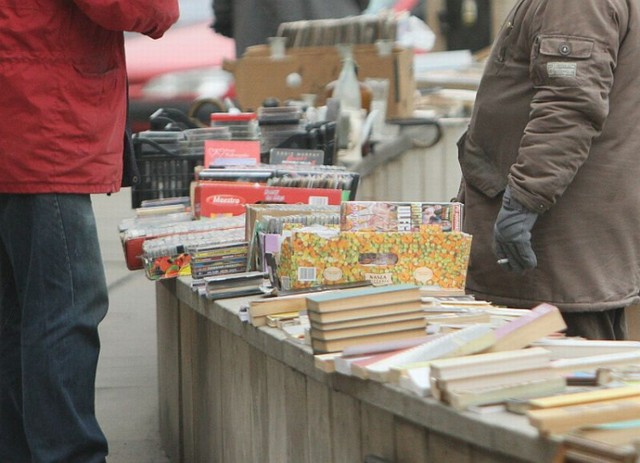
{"x": 63, "y": 90}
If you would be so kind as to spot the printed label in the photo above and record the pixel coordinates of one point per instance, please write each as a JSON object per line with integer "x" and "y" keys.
{"x": 332, "y": 274}
{"x": 307, "y": 274}
{"x": 423, "y": 275}
{"x": 562, "y": 69}
{"x": 379, "y": 279}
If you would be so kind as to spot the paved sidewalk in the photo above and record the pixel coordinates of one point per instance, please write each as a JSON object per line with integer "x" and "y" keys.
{"x": 127, "y": 381}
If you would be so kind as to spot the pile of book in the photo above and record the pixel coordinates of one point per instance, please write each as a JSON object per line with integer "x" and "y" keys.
{"x": 356, "y": 316}
{"x": 410, "y": 366}
{"x": 567, "y": 412}
{"x": 387, "y": 365}
{"x": 494, "y": 377}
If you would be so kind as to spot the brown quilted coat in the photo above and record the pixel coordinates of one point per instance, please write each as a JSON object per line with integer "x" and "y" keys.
{"x": 557, "y": 117}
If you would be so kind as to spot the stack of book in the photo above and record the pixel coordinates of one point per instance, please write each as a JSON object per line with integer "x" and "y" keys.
{"x": 494, "y": 377}
{"x": 564, "y": 413}
{"x": 617, "y": 442}
{"x": 344, "y": 318}
{"x": 261, "y": 309}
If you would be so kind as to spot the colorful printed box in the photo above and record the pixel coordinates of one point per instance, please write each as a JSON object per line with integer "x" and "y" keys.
{"x": 383, "y": 216}
{"x": 214, "y": 199}
{"x": 428, "y": 257}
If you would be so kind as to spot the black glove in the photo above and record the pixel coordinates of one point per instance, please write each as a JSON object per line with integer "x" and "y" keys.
{"x": 512, "y": 235}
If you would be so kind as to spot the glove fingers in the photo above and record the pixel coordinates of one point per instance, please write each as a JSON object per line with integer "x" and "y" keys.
{"x": 527, "y": 256}
{"x": 515, "y": 259}
{"x": 505, "y": 258}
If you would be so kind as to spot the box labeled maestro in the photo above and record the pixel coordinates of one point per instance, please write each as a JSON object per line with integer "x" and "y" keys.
{"x": 214, "y": 199}
{"x": 427, "y": 257}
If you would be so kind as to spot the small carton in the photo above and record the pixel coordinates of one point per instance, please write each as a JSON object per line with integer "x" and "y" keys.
{"x": 427, "y": 257}
{"x": 214, "y": 199}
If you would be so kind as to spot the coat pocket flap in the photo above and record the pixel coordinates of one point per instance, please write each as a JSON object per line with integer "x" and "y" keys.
{"x": 566, "y": 47}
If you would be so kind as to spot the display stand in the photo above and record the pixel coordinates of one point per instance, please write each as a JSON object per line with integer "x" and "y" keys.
{"x": 230, "y": 392}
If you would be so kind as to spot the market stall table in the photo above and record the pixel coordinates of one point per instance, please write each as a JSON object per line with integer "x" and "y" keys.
{"x": 231, "y": 392}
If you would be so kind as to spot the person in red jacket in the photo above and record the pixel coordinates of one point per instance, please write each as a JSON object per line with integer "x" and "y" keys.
{"x": 63, "y": 99}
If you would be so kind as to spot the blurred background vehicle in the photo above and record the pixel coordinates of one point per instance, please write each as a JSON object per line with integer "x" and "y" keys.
{"x": 183, "y": 66}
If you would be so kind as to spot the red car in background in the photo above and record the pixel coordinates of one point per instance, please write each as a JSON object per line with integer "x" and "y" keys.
{"x": 183, "y": 66}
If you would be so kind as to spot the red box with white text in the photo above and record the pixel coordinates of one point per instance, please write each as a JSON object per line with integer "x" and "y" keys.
{"x": 213, "y": 199}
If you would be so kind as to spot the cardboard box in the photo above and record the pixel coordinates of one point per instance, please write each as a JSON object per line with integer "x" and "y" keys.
{"x": 231, "y": 153}
{"x": 428, "y": 257}
{"x": 229, "y": 198}
{"x": 257, "y": 76}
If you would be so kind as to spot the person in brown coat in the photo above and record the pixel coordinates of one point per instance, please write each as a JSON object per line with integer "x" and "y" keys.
{"x": 551, "y": 164}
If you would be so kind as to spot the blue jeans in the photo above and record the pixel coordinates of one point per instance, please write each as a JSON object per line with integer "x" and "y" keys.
{"x": 53, "y": 295}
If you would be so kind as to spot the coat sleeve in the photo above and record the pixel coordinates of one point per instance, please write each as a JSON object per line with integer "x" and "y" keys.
{"x": 574, "y": 52}
{"x": 149, "y": 17}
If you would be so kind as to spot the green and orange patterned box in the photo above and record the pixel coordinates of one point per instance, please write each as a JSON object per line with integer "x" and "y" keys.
{"x": 430, "y": 256}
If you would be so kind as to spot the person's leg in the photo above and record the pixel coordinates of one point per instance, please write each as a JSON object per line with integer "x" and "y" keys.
{"x": 54, "y": 251}
{"x": 13, "y": 442}
{"x": 608, "y": 324}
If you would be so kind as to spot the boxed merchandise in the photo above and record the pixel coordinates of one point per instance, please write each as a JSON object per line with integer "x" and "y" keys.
{"x": 137, "y": 231}
{"x": 229, "y": 198}
{"x": 173, "y": 255}
{"x": 383, "y": 216}
{"x": 231, "y": 153}
{"x": 428, "y": 257}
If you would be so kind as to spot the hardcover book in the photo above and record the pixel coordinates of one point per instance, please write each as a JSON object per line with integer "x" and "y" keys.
{"x": 400, "y": 310}
{"x": 562, "y": 419}
{"x": 539, "y": 322}
{"x": 364, "y": 330}
{"x": 461, "y": 399}
{"x": 319, "y": 346}
{"x": 260, "y": 308}
{"x": 490, "y": 363}
{"x": 362, "y": 297}
{"x": 574, "y": 348}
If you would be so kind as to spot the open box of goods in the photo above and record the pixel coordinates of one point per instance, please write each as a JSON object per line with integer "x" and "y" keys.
{"x": 198, "y": 254}
{"x": 171, "y": 251}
